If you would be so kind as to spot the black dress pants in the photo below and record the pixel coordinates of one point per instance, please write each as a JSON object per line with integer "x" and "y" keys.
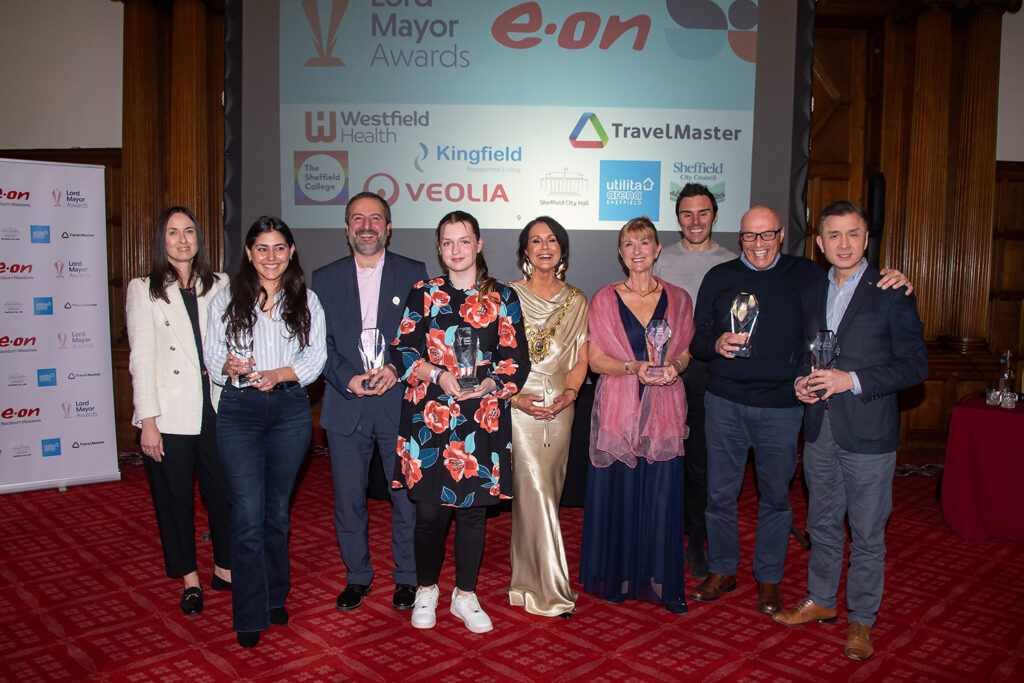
{"x": 171, "y": 485}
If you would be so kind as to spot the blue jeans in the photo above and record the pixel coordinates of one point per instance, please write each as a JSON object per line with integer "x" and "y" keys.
{"x": 263, "y": 438}
{"x": 842, "y": 483}
{"x": 732, "y": 429}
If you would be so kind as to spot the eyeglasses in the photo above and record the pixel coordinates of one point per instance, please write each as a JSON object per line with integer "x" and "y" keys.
{"x": 767, "y": 235}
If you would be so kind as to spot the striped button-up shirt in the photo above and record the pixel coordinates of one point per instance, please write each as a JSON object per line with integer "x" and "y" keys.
{"x": 273, "y": 346}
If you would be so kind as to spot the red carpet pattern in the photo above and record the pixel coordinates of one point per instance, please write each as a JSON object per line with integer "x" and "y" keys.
{"x": 83, "y": 597}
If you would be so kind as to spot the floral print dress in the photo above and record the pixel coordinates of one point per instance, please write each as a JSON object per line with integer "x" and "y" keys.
{"x": 458, "y": 453}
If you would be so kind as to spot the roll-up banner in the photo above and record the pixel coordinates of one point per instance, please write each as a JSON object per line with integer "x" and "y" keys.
{"x": 56, "y": 396}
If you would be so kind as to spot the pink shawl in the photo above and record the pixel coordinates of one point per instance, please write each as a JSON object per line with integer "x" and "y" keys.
{"x": 623, "y": 426}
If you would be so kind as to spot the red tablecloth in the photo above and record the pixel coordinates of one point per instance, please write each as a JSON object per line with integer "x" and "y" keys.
{"x": 983, "y": 480}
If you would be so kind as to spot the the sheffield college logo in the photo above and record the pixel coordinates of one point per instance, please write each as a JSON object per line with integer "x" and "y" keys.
{"x": 706, "y": 27}
{"x": 595, "y": 125}
{"x": 324, "y": 48}
{"x": 46, "y": 377}
{"x": 40, "y": 234}
{"x": 389, "y": 189}
{"x": 50, "y": 447}
{"x": 321, "y": 178}
{"x": 628, "y": 189}
{"x": 42, "y": 305}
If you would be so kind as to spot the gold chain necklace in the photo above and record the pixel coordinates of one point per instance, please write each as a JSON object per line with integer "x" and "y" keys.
{"x": 645, "y": 294}
{"x": 539, "y": 337}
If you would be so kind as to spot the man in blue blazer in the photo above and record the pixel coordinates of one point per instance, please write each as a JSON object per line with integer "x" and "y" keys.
{"x": 851, "y": 424}
{"x": 365, "y": 290}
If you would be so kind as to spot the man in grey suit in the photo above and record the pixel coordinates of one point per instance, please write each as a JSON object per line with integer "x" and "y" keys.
{"x": 365, "y": 290}
{"x": 851, "y": 424}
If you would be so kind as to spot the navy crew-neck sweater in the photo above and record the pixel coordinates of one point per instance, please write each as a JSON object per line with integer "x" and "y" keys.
{"x": 766, "y": 378}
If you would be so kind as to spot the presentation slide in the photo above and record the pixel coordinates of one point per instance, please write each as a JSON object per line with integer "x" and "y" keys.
{"x": 593, "y": 111}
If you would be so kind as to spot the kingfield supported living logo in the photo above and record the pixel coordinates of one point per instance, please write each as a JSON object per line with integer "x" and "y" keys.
{"x": 629, "y": 189}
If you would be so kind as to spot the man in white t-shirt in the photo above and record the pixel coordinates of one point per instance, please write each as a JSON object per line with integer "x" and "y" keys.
{"x": 684, "y": 264}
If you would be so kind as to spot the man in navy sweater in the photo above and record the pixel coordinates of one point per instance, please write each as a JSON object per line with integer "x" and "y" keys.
{"x": 851, "y": 431}
{"x": 750, "y": 401}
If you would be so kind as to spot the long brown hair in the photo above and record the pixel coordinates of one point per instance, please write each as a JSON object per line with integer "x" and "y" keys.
{"x": 247, "y": 292}
{"x": 485, "y": 284}
{"x": 162, "y": 274}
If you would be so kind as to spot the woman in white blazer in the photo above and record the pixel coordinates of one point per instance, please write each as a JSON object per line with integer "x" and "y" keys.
{"x": 174, "y": 399}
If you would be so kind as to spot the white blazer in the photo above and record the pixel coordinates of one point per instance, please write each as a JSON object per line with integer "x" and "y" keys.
{"x": 164, "y": 360}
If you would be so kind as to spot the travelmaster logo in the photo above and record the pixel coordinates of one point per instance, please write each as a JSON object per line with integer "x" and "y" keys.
{"x": 595, "y": 129}
{"x": 629, "y": 189}
{"x": 706, "y": 27}
{"x": 321, "y": 178}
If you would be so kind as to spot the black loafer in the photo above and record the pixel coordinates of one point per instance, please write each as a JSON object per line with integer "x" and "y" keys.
{"x": 677, "y": 606}
{"x": 192, "y": 601}
{"x": 248, "y": 639}
{"x": 352, "y": 597}
{"x": 279, "y": 616}
{"x": 405, "y": 596}
{"x": 219, "y": 584}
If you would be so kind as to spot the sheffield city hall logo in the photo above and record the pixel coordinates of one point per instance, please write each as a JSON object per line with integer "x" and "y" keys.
{"x": 324, "y": 49}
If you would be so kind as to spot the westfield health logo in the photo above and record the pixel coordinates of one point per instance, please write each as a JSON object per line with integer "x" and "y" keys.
{"x": 324, "y": 48}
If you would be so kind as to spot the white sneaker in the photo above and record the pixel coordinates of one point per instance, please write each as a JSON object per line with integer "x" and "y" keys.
{"x": 467, "y": 608}
{"x": 424, "y": 606}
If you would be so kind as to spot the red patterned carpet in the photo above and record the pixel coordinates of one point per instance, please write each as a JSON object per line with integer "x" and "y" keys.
{"x": 83, "y": 597}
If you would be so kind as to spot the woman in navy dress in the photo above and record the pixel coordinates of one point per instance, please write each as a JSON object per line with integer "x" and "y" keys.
{"x": 633, "y": 515}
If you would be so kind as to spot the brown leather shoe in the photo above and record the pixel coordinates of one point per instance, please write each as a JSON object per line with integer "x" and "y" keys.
{"x": 858, "y": 642}
{"x": 769, "y": 598}
{"x": 806, "y": 612}
{"x": 712, "y": 587}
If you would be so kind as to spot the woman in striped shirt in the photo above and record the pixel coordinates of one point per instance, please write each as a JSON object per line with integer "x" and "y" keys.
{"x": 265, "y": 343}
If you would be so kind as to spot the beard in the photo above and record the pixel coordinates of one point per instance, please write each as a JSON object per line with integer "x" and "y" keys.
{"x": 367, "y": 249}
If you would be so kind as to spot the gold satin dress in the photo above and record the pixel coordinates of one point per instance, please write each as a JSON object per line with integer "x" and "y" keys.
{"x": 540, "y": 451}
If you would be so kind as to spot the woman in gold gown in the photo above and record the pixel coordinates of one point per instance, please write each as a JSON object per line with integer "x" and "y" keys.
{"x": 556, "y": 327}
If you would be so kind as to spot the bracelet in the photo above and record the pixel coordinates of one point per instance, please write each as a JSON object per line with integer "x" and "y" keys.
{"x": 626, "y": 363}
{"x": 435, "y": 374}
{"x": 575, "y": 394}
{"x": 514, "y": 401}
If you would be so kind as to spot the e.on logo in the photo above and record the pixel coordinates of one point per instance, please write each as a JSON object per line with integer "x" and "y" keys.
{"x": 16, "y": 342}
{"x": 578, "y": 30}
{"x": 19, "y": 413}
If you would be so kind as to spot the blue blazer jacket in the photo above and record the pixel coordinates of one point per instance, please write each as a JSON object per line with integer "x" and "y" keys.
{"x": 338, "y": 290}
{"x": 881, "y": 338}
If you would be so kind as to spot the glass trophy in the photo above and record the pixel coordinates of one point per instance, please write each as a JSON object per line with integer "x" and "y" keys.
{"x": 658, "y": 334}
{"x": 243, "y": 352}
{"x": 824, "y": 350}
{"x": 466, "y": 346}
{"x": 371, "y": 352}
{"x": 742, "y": 318}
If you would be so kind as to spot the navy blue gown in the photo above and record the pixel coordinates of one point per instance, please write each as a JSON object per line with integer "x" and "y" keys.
{"x": 633, "y": 518}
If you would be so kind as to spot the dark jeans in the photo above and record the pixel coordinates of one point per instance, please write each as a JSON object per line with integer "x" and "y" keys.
{"x": 432, "y": 528}
{"x": 695, "y": 379}
{"x": 171, "y": 485}
{"x": 263, "y": 439}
